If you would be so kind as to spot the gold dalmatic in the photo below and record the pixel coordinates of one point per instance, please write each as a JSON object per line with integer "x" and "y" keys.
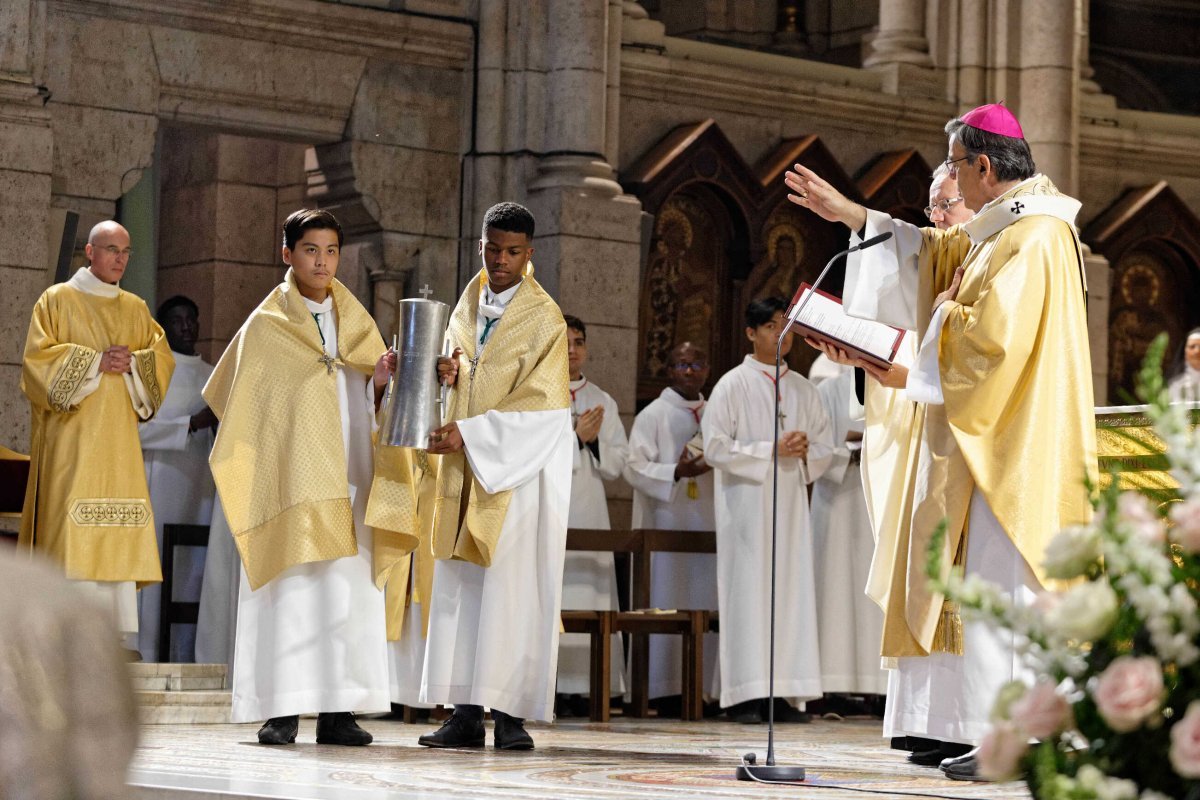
{"x": 87, "y": 506}
{"x": 522, "y": 368}
{"x": 279, "y": 461}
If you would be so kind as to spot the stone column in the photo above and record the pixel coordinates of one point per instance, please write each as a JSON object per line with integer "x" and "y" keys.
{"x": 26, "y": 166}
{"x": 1049, "y": 88}
{"x": 901, "y": 35}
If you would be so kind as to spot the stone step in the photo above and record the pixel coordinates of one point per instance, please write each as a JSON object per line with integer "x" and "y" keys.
{"x": 177, "y": 677}
{"x": 176, "y": 707}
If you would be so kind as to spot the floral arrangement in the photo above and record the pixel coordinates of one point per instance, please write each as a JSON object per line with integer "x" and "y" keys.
{"x": 1113, "y": 712}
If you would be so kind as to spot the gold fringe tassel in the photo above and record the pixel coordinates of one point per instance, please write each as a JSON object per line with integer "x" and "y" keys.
{"x": 948, "y": 637}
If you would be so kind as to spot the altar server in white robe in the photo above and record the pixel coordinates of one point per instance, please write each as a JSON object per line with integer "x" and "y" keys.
{"x": 590, "y": 579}
{"x": 296, "y": 392}
{"x": 1000, "y": 304}
{"x": 738, "y": 426}
{"x": 175, "y": 446}
{"x": 850, "y": 624}
{"x": 504, "y": 489}
{"x": 673, "y": 490}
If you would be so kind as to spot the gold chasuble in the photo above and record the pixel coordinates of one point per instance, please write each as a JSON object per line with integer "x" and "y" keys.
{"x": 86, "y": 505}
{"x": 279, "y": 460}
{"x": 523, "y": 367}
{"x": 1018, "y": 416}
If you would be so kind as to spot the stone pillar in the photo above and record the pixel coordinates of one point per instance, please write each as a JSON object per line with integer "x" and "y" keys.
{"x": 901, "y": 35}
{"x": 223, "y": 201}
{"x": 1049, "y": 88}
{"x": 26, "y": 166}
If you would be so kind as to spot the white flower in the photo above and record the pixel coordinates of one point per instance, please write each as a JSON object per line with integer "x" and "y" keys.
{"x": 1091, "y": 779}
{"x": 1071, "y": 552}
{"x": 1135, "y": 510}
{"x": 1086, "y": 612}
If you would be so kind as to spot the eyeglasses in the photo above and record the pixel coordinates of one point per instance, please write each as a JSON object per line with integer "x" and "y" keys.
{"x": 943, "y": 206}
{"x": 113, "y": 250}
{"x": 694, "y": 366}
{"x": 951, "y": 162}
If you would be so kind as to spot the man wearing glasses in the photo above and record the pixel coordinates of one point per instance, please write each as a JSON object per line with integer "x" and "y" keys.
{"x": 1008, "y": 434}
{"x": 96, "y": 364}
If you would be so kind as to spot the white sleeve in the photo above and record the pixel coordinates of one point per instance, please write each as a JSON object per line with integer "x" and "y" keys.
{"x": 507, "y": 449}
{"x": 820, "y": 439}
{"x": 925, "y": 378}
{"x": 881, "y": 281}
{"x": 653, "y": 478}
{"x": 614, "y": 447}
{"x": 749, "y": 460}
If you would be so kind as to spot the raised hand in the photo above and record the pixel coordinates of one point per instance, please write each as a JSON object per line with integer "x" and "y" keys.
{"x": 811, "y": 191}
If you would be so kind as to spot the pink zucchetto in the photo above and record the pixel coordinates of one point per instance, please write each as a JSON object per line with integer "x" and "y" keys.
{"x": 994, "y": 118}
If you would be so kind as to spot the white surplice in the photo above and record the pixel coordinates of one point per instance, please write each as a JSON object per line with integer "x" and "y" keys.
{"x": 181, "y": 493}
{"x": 314, "y": 638}
{"x": 677, "y": 580}
{"x": 940, "y": 696}
{"x": 738, "y": 431}
{"x": 493, "y": 632}
{"x": 850, "y": 624}
{"x": 590, "y": 579}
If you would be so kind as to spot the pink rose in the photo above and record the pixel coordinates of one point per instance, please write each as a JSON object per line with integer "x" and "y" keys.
{"x": 1185, "y": 743}
{"x": 1129, "y": 692}
{"x": 1001, "y": 750}
{"x": 1041, "y": 712}
{"x": 1136, "y": 510}
{"x": 1186, "y": 516}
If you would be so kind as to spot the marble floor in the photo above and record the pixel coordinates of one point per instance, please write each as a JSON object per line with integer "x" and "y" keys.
{"x": 573, "y": 759}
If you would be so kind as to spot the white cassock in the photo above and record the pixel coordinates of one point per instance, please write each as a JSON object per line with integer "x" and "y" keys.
{"x": 941, "y": 696}
{"x": 737, "y": 424}
{"x": 314, "y": 638}
{"x": 216, "y": 624}
{"x": 406, "y": 657}
{"x": 181, "y": 493}
{"x": 677, "y": 580}
{"x": 849, "y": 623}
{"x": 493, "y": 632}
{"x": 590, "y": 579}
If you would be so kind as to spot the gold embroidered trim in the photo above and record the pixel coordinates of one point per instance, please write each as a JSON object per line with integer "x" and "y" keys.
{"x": 110, "y": 512}
{"x": 145, "y": 362}
{"x": 70, "y": 377}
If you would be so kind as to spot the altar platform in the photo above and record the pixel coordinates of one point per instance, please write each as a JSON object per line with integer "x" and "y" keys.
{"x": 574, "y": 759}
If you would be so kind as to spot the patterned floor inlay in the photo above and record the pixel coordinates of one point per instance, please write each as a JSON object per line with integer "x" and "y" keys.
{"x": 628, "y": 758}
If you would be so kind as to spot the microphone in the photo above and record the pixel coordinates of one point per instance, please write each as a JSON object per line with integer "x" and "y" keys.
{"x": 863, "y": 245}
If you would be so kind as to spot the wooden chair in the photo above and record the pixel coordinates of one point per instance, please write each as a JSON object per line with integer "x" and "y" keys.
{"x": 691, "y": 626}
{"x": 170, "y": 611}
{"x": 599, "y": 625}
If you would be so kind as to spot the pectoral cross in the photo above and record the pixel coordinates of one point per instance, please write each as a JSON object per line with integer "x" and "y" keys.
{"x": 782, "y": 417}
{"x": 474, "y": 363}
{"x": 425, "y": 291}
{"x": 328, "y": 362}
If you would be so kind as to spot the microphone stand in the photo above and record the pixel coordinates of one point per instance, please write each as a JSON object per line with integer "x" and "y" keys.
{"x": 771, "y": 772}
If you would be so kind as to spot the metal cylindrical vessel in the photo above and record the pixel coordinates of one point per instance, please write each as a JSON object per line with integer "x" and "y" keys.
{"x": 413, "y": 408}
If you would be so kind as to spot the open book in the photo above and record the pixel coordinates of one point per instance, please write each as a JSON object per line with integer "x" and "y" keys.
{"x": 824, "y": 319}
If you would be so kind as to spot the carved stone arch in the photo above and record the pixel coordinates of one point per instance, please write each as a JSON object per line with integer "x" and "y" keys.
{"x": 1152, "y": 240}
{"x": 897, "y": 183}
{"x": 701, "y": 194}
{"x": 781, "y": 226}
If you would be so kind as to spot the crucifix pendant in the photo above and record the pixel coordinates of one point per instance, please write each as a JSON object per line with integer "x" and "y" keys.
{"x": 474, "y": 363}
{"x": 328, "y": 362}
{"x": 782, "y": 417}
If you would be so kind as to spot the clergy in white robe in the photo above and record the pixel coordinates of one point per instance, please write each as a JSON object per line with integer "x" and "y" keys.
{"x": 175, "y": 446}
{"x": 739, "y": 428}
{"x": 504, "y": 489}
{"x": 1185, "y": 386}
{"x": 590, "y": 579}
{"x": 294, "y": 487}
{"x": 1008, "y": 434}
{"x": 849, "y": 623}
{"x": 673, "y": 490}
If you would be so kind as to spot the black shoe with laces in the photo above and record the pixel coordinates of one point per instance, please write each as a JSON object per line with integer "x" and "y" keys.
{"x": 339, "y": 727}
{"x": 464, "y": 728}
{"x": 510, "y": 733}
{"x": 279, "y": 730}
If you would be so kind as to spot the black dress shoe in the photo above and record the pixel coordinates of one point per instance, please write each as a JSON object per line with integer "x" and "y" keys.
{"x": 748, "y": 712}
{"x": 786, "y": 712}
{"x": 510, "y": 733}
{"x": 964, "y": 768}
{"x": 339, "y": 727}
{"x": 279, "y": 730}
{"x": 940, "y": 752}
{"x": 464, "y": 728}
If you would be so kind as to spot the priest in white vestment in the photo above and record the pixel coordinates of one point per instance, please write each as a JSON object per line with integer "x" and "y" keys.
{"x": 175, "y": 446}
{"x": 739, "y": 429}
{"x": 999, "y": 302}
{"x": 849, "y": 623}
{"x": 504, "y": 488}
{"x": 590, "y": 579}
{"x": 673, "y": 490}
{"x": 296, "y": 392}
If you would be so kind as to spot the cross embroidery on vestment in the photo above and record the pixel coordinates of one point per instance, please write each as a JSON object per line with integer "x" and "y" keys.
{"x": 1017, "y": 206}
